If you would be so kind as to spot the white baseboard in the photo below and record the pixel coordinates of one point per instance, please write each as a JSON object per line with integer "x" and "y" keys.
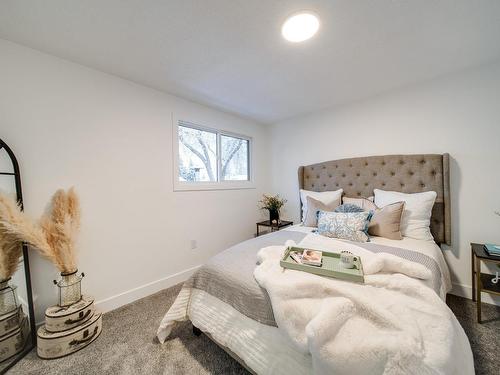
{"x": 466, "y": 292}
{"x": 142, "y": 291}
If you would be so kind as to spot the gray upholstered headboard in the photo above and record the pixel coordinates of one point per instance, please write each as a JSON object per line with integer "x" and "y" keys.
{"x": 405, "y": 173}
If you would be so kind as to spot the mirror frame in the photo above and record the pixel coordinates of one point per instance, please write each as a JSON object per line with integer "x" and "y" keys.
{"x": 19, "y": 194}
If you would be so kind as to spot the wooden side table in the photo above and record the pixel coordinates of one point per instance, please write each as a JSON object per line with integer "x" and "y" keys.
{"x": 481, "y": 282}
{"x": 274, "y": 227}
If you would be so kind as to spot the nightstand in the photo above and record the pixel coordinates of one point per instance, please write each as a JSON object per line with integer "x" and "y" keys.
{"x": 274, "y": 227}
{"x": 481, "y": 282}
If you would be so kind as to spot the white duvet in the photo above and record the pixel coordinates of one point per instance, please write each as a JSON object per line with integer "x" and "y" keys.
{"x": 393, "y": 324}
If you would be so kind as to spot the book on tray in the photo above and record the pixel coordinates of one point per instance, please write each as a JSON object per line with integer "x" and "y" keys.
{"x": 309, "y": 257}
{"x": 492, "y": 249}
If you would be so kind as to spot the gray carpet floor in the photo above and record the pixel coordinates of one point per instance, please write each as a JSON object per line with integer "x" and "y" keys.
{"x": 128, "y": 345}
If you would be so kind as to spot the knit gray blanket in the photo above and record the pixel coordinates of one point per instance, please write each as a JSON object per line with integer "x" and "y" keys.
{"x": 228, "y": 276}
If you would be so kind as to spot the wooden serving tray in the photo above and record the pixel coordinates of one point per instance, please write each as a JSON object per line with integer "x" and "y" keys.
{"x": 331, "y": 266}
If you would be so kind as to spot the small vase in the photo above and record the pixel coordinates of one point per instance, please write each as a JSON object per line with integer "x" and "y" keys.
{"x": 8, "y": 297}
{"x": 274, "y": 217}
{"x": 70, "y": 288}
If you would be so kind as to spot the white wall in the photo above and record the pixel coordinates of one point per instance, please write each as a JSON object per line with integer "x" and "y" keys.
{"x": 112, "y": 140}
{"x": 459, "y": 114}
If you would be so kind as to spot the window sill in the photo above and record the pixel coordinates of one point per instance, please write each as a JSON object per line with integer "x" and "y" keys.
{"x": 201, "y": 186}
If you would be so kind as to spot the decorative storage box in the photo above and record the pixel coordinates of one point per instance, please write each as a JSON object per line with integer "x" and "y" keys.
{"x": 10, "y": 321}
{"x": 59, "y": 319}
{"x": 8, "y": 297}
{"x": 14, "y": 342}
{"x": 52, "y": 345}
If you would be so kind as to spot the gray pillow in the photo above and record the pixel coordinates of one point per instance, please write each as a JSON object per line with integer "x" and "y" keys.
{"x": 313, "y": 207}
{"x": 347, "y": 207}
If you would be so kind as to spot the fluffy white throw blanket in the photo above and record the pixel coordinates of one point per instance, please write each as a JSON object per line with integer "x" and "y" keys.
{"x": 393, "y": 324}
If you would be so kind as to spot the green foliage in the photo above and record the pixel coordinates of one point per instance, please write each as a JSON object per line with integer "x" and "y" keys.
{"x": 271, "y": 202}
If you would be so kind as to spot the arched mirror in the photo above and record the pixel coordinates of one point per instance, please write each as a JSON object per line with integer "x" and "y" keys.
{"x": 17, "y": 323}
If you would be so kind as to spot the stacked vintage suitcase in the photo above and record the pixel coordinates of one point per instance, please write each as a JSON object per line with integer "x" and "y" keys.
{"x": 14, "y": 325}
{"x": 68, "y": 327}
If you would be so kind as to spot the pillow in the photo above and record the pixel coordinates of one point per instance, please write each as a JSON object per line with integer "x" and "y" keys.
{"x": 386, "y": 221}
{"x": 327, "y": 197}
{"x": 365, "y": 203}
{"x": 416, "y": 219}
{"x": 347, "y": 207}
{"x": 344, "y": 225}
{"x": 313, "y": 206}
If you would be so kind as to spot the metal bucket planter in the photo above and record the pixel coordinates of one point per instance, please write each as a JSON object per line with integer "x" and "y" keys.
{"x": 70, "y": 288}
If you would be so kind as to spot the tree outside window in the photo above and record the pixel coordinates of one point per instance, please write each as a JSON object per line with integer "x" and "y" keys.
{"x": 203, "y": 152}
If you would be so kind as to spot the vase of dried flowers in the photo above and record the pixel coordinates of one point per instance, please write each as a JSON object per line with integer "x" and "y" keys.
{"x": 70, "y": 288}
{"x": 8, "y": 297}
{"x": 272, "y": 203}
{"x": 10, "y": 252}
{"x": 53, "y": 236}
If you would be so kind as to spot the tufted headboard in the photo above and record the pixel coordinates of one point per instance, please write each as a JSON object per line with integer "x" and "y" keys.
{"x": 405, "y": 173}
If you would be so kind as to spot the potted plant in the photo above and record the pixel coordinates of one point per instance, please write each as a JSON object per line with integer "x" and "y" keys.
{"x": 61, "y": 226}
{"x": 10, "y": 251}
{"x": 54, "y": 237}
{"x": 272, "y": 203}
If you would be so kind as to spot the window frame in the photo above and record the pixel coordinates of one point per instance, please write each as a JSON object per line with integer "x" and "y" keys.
{"x": 220, "y": 184}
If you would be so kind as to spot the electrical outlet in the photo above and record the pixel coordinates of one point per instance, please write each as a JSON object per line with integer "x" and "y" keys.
{"x": 194, "y": 244}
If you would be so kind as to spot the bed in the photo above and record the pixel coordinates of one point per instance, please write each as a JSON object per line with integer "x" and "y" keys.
{"x": 224, "y": 301}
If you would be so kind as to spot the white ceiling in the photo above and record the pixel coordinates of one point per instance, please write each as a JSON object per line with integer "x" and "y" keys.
{"x": 229, "y": 53}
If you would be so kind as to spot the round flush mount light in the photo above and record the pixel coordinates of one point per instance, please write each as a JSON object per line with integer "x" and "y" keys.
{"x": 300, "y": 26}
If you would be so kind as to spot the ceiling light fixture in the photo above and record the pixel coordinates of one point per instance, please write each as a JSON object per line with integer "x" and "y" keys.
{"x": 300, "y": 26}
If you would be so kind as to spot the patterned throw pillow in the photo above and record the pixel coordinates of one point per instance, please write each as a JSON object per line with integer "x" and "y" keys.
{"x": 352, "y": 226}
{"x": 348, "y": 207}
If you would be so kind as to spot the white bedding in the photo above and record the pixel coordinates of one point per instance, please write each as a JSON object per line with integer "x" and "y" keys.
{"x": 261, "y": 347}
{"x": 429, "y": 248}
{"x": 392, "y": 324}
{"x": 264, "y": 348}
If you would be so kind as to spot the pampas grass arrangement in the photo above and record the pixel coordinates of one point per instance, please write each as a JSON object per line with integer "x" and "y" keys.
{"x": 10, "y": 252}
{"x": 10, "y": 247}
{"x": 15, "y": 228}
{"x": 54, "y": 236}
{"x": 61, "y": 226}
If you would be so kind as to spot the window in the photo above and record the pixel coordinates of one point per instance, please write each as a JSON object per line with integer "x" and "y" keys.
{"x": 206, "y": 158}
{"x": 197, "y": 155}
{"x": 234, "y": 158}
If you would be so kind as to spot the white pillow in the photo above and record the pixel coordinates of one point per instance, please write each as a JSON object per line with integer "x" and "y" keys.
{"x": 325, "y": 197}
{"x": 416, "y": 219}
